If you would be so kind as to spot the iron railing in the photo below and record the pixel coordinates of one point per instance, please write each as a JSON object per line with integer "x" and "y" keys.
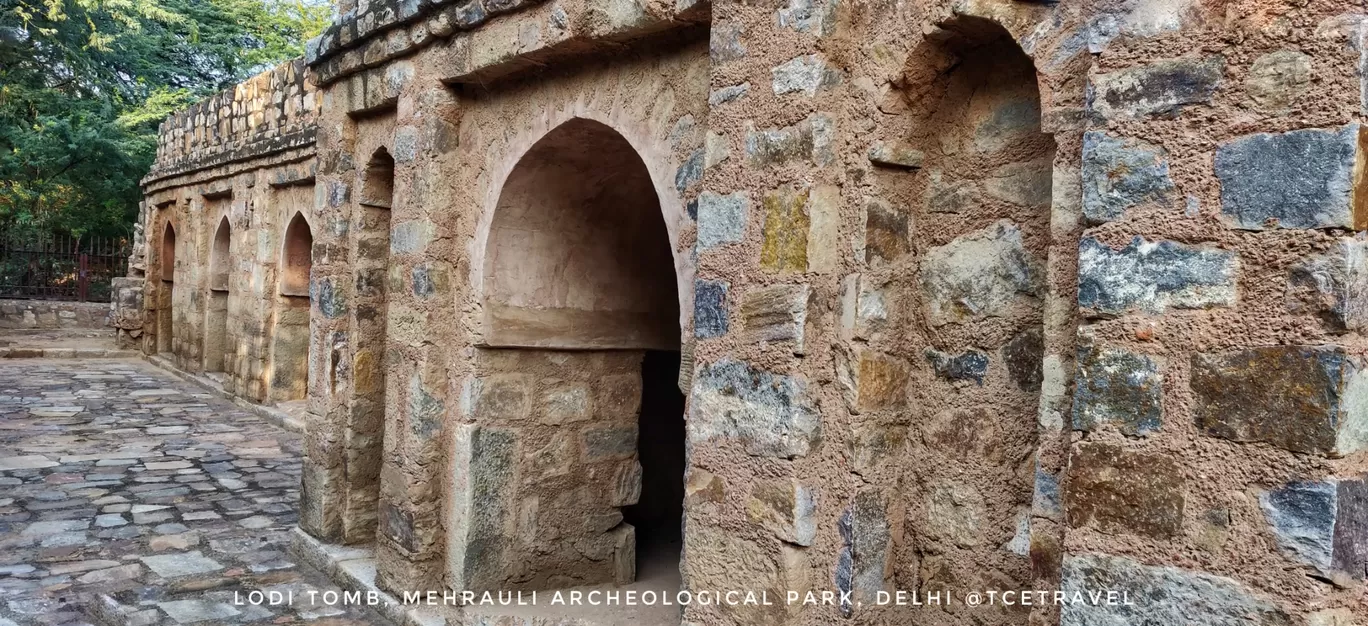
{"x": 60, "y": 267}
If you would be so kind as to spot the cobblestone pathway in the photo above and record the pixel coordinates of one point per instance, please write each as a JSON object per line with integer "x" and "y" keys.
{"x": 130, "y": 497}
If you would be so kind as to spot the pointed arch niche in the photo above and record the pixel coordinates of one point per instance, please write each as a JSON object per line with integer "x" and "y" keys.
{"x": 981, "y": 206}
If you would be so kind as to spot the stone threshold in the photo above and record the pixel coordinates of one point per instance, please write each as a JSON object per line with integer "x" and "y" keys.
{"x": 353, "y": 569}
{"x": 270, "y": 414}
{"x": 66, "y": 353}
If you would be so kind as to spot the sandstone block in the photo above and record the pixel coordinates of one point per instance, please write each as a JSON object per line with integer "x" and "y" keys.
{"x": 786, "y": 508}
{"x": 1160, "y": 88}
{"x": 978, "y": 275}
{"x": 824, "y": 245}
{"x": 956, "y": 513}
{"x": 770, "y": 414}
{"x": 1300, "y": 398}
{"x": 783, "y": 246}
{"x": 1160, "y": 595}
{"x": 1153, "y": 277}
{"x": 1333, "y": 285}
{"x": 1117, "y": 387}
{"x": 1121, "y": 173}
{"x": 1301, "y": 179}
{"x": 776, "y": 313}
{"x": 875, "y": 381}
{"x": 873, "y": 444}
{"x": 806, "y": 74}
{"x": 895, "y": 154}
{"x": 1118, "y": 491}
{"x": 886, "y": 232}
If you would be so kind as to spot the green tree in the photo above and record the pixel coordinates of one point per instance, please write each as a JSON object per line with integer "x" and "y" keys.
{"x": 84, "y": 84}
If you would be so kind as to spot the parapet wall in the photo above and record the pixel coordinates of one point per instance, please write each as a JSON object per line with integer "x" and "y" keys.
{"x": 269, "y": 113}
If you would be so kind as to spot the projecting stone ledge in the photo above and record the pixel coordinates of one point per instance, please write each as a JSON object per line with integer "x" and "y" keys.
{"x": 1308, "y": 399}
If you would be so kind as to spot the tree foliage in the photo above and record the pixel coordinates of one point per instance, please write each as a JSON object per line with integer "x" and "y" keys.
{"x": 84, "y": 84}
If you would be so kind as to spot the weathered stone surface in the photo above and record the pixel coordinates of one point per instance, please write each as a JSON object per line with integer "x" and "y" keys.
{"x": 1117, "y": 387}
{"x": 1277, "y": 78}
{"x": 805, "y": 74}
{"x": 824, "y": 243}
{"x": 1160, "y": 595}
{"x": 727, "y": 94}
{"x": 951, "y": 196}
{"x": 956, "y": 513}
{"x": 874, "y": 381}
{"x": 979, "y": 275}
{"x": 809, "y": 139}
{"x": 786, "y": 508}
{"x": 873, "y": 444}
{"x": 895, "y": 154}
{"x": 1350, "y": 554}
{"x": 1301, "y": 179}
{"x": 736, "y": 563}
{"x": 484, "y": 460}
{"x": 886, "y": 231}
{"x": 703, "y": 487}
{"x": 817, "y": 17}
{"x": 1333, "y": 285}
{"x": 1118, "y": 491}
{"x": 969, "y": 365}
{"x": 1302, "y": 517}
{"x": 710, "y": 309}
{"x": 1160, "y": 88}
{"x": 784, "y": 246}
{"x": 690, "y": 172}
{"x": 721, "y": 219}
{"x": 1300, "y": 398}
{"x": 1121, "y": 173}
{"x": 1023, "y": 184}
{"x": 724, "y": 42}
{"x": 776, "y": 313}
{"x": 770, "y": 414}
{"x": 864, "y": 307}
{"x": 862, "y": 568}
{"x": 1024, "y": 356}
{"x": 1152, "y": 277}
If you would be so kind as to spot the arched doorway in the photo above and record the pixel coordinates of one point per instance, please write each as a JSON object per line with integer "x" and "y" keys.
{"x": 216, "y": 346}
{"x": 290, "y": 341}
{"x": 166, "y": 270}
{"x": 581, "y": 308}
{"x": 366, "y": 402}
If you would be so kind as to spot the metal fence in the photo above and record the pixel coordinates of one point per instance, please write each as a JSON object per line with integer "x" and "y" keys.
{"x": 59, "y": 267}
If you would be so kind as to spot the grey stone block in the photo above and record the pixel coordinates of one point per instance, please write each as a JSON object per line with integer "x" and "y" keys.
{"x": 1160, "y": 595}
{"x": 770, "y": 414}
{"x": 1153, "y": 277}
{"x": 1160, "y": 88}
{"x": 1302, "y": 179}
{"x": 1117, "y": 387}
{"x": 1121, "y": 173}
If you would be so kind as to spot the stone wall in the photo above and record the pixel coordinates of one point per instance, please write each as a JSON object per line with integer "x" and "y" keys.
{"x": 971, "y": 295}
{"x": 47, "y": 314}
{"x": 238, "y": 166}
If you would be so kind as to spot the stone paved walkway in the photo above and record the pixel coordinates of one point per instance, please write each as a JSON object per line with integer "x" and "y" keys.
{"x": 128, "y": 496}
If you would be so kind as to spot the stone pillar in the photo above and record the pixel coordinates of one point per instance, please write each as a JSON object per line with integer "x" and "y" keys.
{"x": 543, "y": 460}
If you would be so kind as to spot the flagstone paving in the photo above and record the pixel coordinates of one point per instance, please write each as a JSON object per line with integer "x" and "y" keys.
{"x": 128, "y": 496}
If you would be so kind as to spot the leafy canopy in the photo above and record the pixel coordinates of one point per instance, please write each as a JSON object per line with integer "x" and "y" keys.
{"x": 84, "y": 84}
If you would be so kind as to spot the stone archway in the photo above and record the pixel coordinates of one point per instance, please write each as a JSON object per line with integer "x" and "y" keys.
{"x": 575, "y": 389}
{"x": 216, "y": 345}
{"x": 290, "y": 339}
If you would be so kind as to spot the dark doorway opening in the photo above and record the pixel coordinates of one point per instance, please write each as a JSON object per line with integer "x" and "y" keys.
{"x": 658, "y": 515}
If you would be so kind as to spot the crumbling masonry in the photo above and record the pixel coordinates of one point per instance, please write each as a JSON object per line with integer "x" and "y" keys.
{"x": 832, "y": 295}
